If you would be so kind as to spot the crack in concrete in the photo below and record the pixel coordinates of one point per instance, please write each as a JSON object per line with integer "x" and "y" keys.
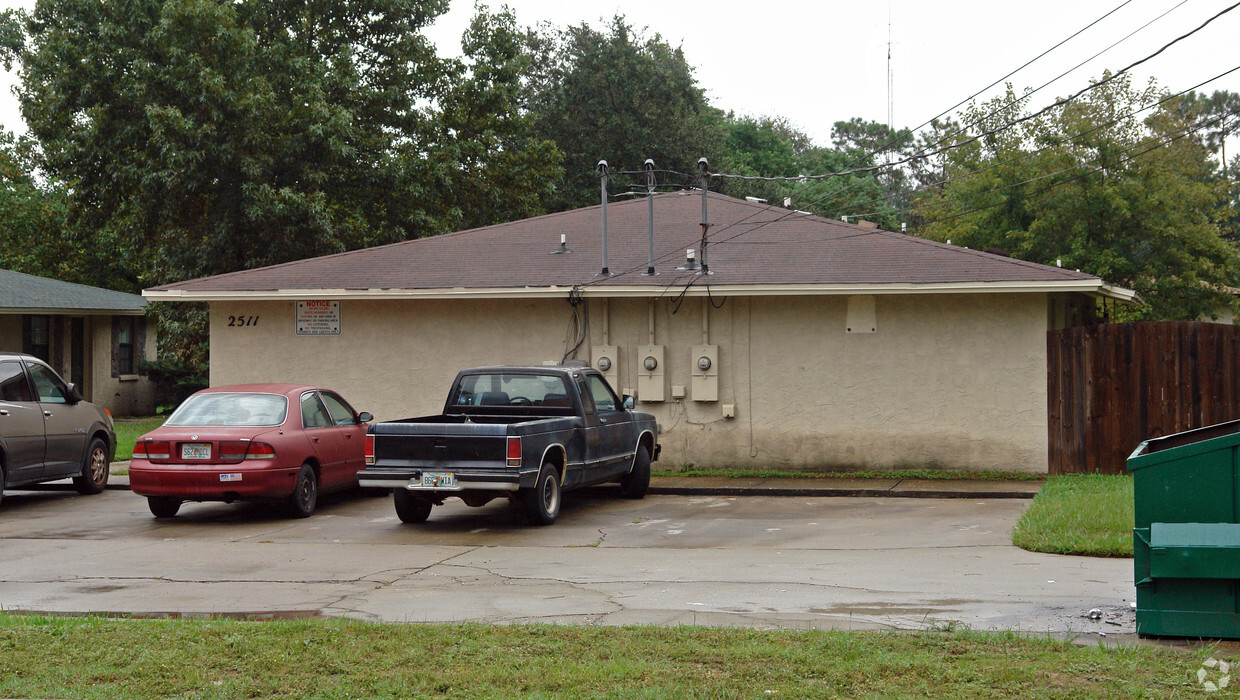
{"x": 584, "y": 585}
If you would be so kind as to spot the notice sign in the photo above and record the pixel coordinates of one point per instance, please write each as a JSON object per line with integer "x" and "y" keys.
{"x": 318, "y": 318}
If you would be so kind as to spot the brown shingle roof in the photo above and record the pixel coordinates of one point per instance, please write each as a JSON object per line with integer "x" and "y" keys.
{"x": 750, "y": 244}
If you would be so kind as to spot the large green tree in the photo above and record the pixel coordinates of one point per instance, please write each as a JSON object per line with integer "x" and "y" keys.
{"x": 617, "y": 95}
{"x": 203, "y": 137}
{"x": 493, "y": 166}
{"x": 194, "y": 137}
{"x": 771, "y": 147}
{"x": 1095, "y": 186}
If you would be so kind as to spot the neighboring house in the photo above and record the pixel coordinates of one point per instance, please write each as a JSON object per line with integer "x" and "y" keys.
{"x": 828, "y": 344}
{"x": 94, "y": 338}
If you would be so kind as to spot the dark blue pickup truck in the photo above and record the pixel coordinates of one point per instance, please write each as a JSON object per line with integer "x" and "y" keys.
{"x": 522, "y": 433}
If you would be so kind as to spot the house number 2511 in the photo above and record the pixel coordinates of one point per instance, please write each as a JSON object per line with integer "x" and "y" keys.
{"x": 242, "y": 321}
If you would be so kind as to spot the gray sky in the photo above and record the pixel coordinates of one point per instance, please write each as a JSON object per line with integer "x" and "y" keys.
{"x": 818, "y": 62}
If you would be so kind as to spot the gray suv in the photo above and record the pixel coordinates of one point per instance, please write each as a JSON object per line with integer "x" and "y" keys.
{"x": 47, "y": 432}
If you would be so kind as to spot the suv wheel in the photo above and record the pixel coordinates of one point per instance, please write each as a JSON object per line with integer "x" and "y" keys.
{"x": 95, "y": 469}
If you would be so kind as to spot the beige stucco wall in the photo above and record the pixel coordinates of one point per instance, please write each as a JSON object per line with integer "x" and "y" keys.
{"x": 952, "y": 381}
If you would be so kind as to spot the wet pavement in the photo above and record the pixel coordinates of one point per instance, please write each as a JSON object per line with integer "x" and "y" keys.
{"x": 768, "y": 561}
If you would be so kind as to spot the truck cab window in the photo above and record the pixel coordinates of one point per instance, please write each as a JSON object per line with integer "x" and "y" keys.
{"x": 604, "y": 398}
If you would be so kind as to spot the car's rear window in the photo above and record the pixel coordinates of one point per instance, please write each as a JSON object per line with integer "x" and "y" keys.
{"x": 230, "y": 409}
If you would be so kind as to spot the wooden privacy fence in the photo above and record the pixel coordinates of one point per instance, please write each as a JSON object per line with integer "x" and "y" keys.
{"x": 1111, "y": 386}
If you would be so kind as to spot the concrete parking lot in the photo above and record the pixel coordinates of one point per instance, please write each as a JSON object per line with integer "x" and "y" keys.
{"x": 771, "y": 562}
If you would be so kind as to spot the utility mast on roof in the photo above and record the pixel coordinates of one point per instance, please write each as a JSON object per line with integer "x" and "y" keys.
{"x": 890, "y": 88}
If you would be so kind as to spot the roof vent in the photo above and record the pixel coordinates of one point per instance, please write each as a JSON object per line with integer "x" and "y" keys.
{"x": 690, "y": 263}
{"x": 755, "y": 200}
{"x": 563, "y": 245}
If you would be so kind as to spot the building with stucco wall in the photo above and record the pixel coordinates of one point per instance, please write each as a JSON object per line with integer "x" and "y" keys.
{"x": 828, "y": 345}
{"x": 95, "y": 338}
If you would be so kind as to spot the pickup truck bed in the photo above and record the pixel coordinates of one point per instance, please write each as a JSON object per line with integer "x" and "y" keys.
{"x": 521, "y": 432}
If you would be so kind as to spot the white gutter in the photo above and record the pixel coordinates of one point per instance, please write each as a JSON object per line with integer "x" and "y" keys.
{"x": 1094, "y": 287}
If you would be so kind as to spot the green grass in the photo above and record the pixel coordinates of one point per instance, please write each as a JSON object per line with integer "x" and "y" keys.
{"x": 932, "y": 474}
{"x": 216, "y": 658}
{"x": 1089, "y": 514}
{"x": 128, "y": 430}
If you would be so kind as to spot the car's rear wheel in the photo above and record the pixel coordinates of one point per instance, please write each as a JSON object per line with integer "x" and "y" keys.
{"x": 305, "y": 496}
{"x": 411, "y": 508}
{"x": 637, "y": 481}
{"x": 163, "y": 506}
{"x": 95, "y": 469}
{"x": 542, "y": 503}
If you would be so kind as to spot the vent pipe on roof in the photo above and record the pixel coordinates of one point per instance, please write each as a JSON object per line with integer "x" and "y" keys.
{"x": 690, "y": 263}
{"x": 563, "y": 245}
{"x": 602, "y": 179}
{"x": 704, "y": 170}
{"x": 648, "y": 166}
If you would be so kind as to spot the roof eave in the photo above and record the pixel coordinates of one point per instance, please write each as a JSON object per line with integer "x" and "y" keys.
{"x": 66, "y": 311}
{"x": 1092, "y": 286}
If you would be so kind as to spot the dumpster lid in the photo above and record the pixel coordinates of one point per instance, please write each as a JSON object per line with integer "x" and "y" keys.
{"x": 1187, "y": 437}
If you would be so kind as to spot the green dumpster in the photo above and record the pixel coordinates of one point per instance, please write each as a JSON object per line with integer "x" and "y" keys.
{"x": 1186, "y": 534}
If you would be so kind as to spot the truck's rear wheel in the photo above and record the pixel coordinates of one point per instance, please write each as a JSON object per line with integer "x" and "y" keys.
{"x": 637, "y": 481}
{"x": 411, "y": 508}
{"x": 542, "y": 503}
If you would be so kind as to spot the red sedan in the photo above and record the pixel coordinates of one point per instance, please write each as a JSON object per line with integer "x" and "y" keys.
{"x": 279, "y": 442}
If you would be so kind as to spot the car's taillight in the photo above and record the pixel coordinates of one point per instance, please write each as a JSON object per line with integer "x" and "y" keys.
{"x": 370, "y": 450}
{"x": 514, "y": 451}
{"x": 260, "y": 450}
{"x": 152, "y": 449}
{"x": 233, "y": 450}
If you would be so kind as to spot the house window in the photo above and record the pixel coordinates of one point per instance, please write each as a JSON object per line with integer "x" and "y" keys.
{"x": 38, "y": 340}
{"x": 124, "y": 345}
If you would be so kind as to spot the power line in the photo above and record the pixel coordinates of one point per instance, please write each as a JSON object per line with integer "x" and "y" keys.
{"x": 1029, "y": 154}
{"x": 1126, "y": 157}
{"x": 1058, "y": 103}
{"x": 1026, "y": 64}
{"x": 1020, "y": 120}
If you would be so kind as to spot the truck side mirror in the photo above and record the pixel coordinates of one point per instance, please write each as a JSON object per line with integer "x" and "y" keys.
{"x": 628, "y": 402}
{"x": 365, "y": 417}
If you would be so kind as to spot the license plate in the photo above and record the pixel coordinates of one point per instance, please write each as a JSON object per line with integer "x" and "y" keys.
{"x": 230, "y": 477}
{"x": 438, "y": 479}
{"x": 196, "y": 450}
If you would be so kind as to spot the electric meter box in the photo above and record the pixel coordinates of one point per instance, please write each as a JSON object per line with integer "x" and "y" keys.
{"x": 606, "y": 359}
{"x": 651, "y": 375}
{"x": 704, "y": 365}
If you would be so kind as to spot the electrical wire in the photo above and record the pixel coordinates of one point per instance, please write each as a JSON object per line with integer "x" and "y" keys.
{"x": 1125, "y": 154}
{"x": 990, "y": 132}
{"x": 931, "y": 120}
{"x": 1028, "y": 93}
{"x": 1054, "y": 144}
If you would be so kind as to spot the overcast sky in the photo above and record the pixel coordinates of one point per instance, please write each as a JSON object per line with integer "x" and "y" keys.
{"x": 816, "y": 62}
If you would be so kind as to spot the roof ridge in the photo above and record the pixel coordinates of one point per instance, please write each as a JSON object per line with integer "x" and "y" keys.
{"x": 406, "y": 242}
